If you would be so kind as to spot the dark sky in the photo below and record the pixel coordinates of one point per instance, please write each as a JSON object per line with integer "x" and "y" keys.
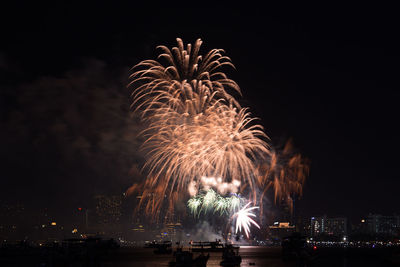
{"x": 325, "y": 75}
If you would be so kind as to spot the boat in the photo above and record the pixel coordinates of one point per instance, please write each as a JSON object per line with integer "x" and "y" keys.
{"x": 185, "y": 259}
{"x": 216, "y": 246}
{"x": 230, "y": 256}
{"x": 152, "y": 244}
{"x": 163, "y": 248}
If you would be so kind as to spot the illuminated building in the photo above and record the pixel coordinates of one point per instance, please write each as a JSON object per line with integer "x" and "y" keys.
{"x": 316, "y": 226}
{"x": 328, "y": 226}
{"x": 336, "y": 226}
{"x": 108, "y": 211}
{"x": 380, "y": 224}
{"x": 172, "y": 230}
{"x": 303, "y": 225}
{"x": 280, "y": 230}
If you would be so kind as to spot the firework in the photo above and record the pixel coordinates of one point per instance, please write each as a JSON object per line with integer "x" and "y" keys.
{"x": 212, "y": 201}
{"x": 200, "y": 142}
{"x": 194, "y": 205}
{"x": 244, "y": 220}
{"x": 219, "y": 185}
{"x": 195, "y": 127}
{"x": 187, "y": 82}
{"x": 285, "y": 172}
{"x": 222, "y": 144}
{"x": 221, "y": 205}
{"x": 234, "y": 202}
{"x": 209, "y": 200}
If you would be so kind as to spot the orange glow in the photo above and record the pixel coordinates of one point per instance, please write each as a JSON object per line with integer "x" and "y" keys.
{"x": 198, "y": 136}
{"x": 195, "y": 127}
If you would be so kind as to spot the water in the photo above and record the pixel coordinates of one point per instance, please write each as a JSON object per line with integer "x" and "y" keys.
{"x": 251, "y": 256}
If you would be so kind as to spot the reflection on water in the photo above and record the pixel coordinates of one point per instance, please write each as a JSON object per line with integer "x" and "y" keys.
{"x": 252, "y": 256}
{"x": 257, "y": 256}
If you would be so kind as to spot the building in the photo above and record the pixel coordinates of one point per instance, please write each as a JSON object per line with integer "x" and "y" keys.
{"x": 317, "y": 226}
{"x": 328, "y": 226}
{"x": 172, "y": 231}
{"x": 303, "y": 225}
{"x": 385, "y": 225}
{"x": 336, "y": 227}
{"x": 281, "y": 230}
{"x": 361, "y": 227}
{"x": 107, "y": 212}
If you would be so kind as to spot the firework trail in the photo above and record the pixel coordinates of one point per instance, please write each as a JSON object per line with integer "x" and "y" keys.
{"x": 200, "y": 142}
{"x": 211, "y": 201}
{"x": 187, "y": 82}
{"x": 244, "y": 220}
{"x": 196, "y": 128}
{"x": 180, "y": 154}
{"x": 285, "y": 173}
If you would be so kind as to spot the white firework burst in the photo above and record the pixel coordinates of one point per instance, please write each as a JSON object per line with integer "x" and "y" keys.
{"x": 244, "y": 220}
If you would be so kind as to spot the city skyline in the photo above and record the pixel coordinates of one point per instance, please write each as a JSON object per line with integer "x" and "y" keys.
{"x": 106, "y": 209}
{"x": 106, "y": 216}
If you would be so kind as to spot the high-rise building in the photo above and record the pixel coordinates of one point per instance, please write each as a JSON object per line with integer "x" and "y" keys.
{"x": 329, "y": 226}
{"x": 303, "y": 225}
{"x": 173, "y": 230}
{"x": 316, "y": 226}
{"x": 380, "y": 224}
{"x": 336, "y": 227}
{"x": 107, "y": 211}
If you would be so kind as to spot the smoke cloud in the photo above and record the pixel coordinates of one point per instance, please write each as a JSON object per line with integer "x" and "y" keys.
{"x": 70, "y": 135}
{"x": 203, "y": 231}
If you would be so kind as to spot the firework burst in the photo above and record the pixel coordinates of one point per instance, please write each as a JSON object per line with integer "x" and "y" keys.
{"x": 198, "y": 138}
{"x": 195, "y": 127}
{"x": 244, "y": 220}
{"x": 211, "y": 201}
{"x": 183, "y": 153}
{"x": 194, "y": 204}
{"x": 284, "y": 172}
{"x": 187, "y": 82}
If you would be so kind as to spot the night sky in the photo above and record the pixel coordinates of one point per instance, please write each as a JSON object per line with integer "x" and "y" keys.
{"x": 326, "y": 76}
